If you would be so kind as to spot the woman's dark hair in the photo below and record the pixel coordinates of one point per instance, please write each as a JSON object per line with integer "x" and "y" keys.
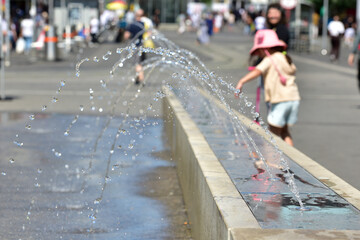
{"x": 278, "y": 7}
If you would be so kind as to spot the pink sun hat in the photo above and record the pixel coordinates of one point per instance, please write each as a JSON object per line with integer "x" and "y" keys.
{"x": 266, "y": 38}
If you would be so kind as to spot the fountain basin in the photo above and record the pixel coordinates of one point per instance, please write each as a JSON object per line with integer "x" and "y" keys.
{"x": 223, "y": 204}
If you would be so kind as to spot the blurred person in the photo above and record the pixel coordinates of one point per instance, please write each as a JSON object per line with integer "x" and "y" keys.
{"x": 156, "y": 18}
{"x": 218, "y": 22}
{"x": 210, "y": 23}
{"x": 182, "y": 24}
{"x": 136, "y": 30}
{"x": 336, "y": 30}
{"x": 315, "y": 25}
{"x": 349, "y": 35}
{"x": 202, "y": 33}
{"x": 27, "y": 32}
{"x": 231, "y": 21}
{"x": 13, "y": 35}
{"x": 94, "y": 29}
{"x": 281, "y": 90}
{"x": 351, "y": 58}
{"x": 260, "y": 21}
{"x": 276, "y": 20}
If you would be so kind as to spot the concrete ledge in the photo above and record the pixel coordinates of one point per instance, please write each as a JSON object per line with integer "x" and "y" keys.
{"x": 214, "y": 204}
{"x": 216, "y": 209}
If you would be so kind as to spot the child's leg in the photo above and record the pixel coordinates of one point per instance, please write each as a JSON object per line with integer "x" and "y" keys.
{"x": 286, "y": 136}
{"x": 283, "y": 133}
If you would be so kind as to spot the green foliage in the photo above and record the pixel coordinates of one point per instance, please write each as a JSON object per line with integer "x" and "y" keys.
{"x": 208, "y": 2}
{"x": 336, "y": 6}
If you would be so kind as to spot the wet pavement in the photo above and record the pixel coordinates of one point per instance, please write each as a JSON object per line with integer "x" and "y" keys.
{"x": 78, "y": 186}
{"x": 256, "y": 168}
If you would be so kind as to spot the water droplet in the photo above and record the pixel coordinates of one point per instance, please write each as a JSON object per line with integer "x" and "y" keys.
{"x": 115, "y": 166}
{"x": 56, "y": 153}
{"x": 39, "y": 170}
{"x": 3, "y": 173}
{"x": 101, "y": 109}
{"x": 121, "y": 64}
{"x": 93, "y": 108}
{"x": 183, "y": 78}
{"x": 97, "y": 201}
{"x": 66, "y": 166}
{"x": 19, "y": 144}
{"x": 91, "y": 91}
{"x": 103, "y": 83}
{"x": 28, "y": 127}
{"x": 112, "y": 151}
{"x": 37, "y": 185}
{"x": 81, "y": 108}
{"x": 131, "y": 146}
{"x": 11, "y": 160}
{"x": 248, "y": 104}
{"x": 54, "y": 99}
{"x": 44, "y": 108}
{"x": 106, "y": 56}
{"x": 96, "y": 59}
{"x": 107, "y": 179}
{"x": 92, "y": 217}
{"x": 119, "y": 147}
{"x": 32, "y": 117}
{"x": 62, "y": 83}
{"x": 119, "y": 50}
{"x": 175, "y": 75}
{"x": 67, "y": 132}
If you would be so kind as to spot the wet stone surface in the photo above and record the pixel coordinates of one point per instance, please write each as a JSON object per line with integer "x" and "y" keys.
{"x": 265, "y": 188}
{"x": 55, "y": 186}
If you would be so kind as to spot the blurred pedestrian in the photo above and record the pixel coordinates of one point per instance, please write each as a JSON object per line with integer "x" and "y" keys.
{"x": 135, "y": 31}
{"x": 351, "y": 58}
{"x": 94, "y": 29}
{"x": 336, "y": 30}
{"x": 349, "y": 35}
{"x": 210, "y": 23}
{"x": 281, "y": 90}
{"x": 182, "y": 24}
{"x": 260, "y": 21}
{"x": 156, "y": 18}
{"x": 276, "y": 20}
{"x": 202, "y": 33}
{"x": 27, "y": 32}
{"x": 218, "y": 22}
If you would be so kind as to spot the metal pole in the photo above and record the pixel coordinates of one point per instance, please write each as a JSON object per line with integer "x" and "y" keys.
{"x": 358, "y": 15}
{"x": 51, "y": 44}
{"x": 2, "y": 70}
{"x": 7, "y": 40}
{"x": 324, "y": 28}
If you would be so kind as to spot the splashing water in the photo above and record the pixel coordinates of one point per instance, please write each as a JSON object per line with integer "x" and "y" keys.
{"x": 185, "y": 75}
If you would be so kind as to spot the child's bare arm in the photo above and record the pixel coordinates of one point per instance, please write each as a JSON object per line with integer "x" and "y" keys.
{"x": 248, "y": 77}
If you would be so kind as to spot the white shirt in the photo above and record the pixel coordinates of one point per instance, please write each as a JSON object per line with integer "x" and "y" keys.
{"x": 94, "y": 25}
{"x": 336, "y": 28}
{"x": 27, "y": 27}
{"x": 260, "y": 22}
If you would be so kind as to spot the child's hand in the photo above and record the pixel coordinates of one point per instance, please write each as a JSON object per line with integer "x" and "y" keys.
{"x": 238, "y": 89}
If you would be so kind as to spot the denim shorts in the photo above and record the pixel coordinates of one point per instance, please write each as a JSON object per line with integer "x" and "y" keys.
{"x": 283, "y": 113}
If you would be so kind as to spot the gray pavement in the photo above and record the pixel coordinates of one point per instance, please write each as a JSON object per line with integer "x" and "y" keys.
{"x": 82, "y": 186}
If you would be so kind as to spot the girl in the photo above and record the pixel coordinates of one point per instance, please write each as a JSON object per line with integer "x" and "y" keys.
{"x": 281, "y": 90}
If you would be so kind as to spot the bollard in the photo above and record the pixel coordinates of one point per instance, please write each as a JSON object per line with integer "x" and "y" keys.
{"x": 50, "y": 43}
